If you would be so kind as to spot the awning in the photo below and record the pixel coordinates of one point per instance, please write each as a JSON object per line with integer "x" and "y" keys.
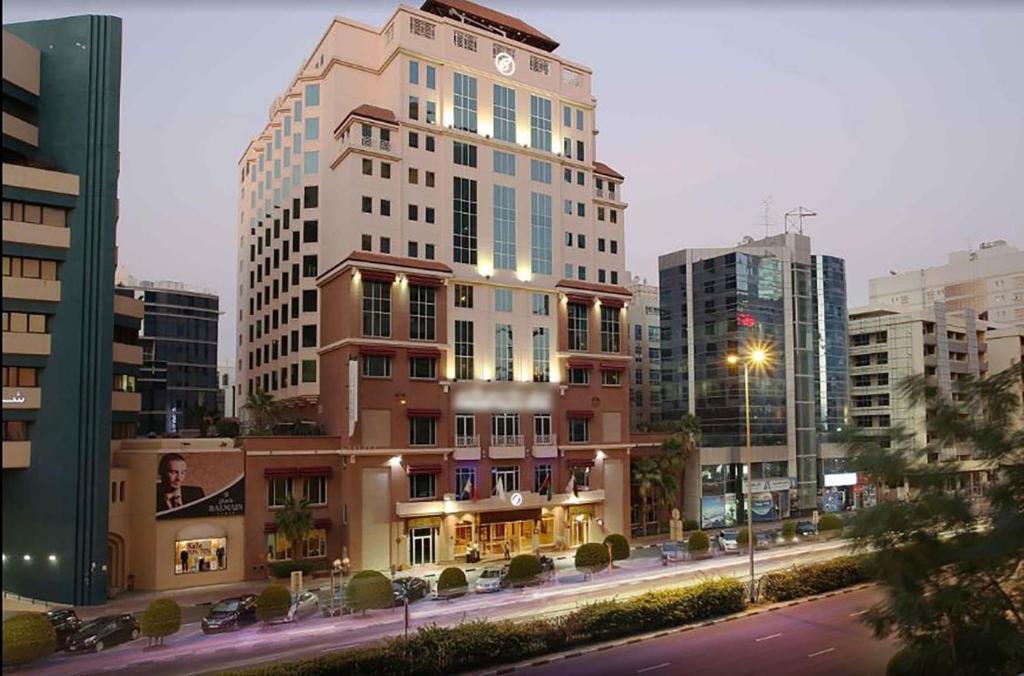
{"x": 576, "y": 298}
{"x": 201, "y": 531}
{"x": 608, "y": 366}
{"x": 422, "y": 280}
{"x": 611, "y": 302}
{"x": 280, "y": 471}
{"x": 376, "y": 275}
{"x": 580, "y": 364}
{"x": 423, "y": 413}
{"x": 579, "y": 414}
{"x": 424, "y": 469}
{"x": 511, "y": 515}
{"x": 377, "y": 350}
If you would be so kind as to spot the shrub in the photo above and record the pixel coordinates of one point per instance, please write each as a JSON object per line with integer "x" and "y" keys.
{"x": 620, "y": 546}
{"x": 789, "y": 531}
{"x": 283, "y": 569}
{"x": 591, "y": 557}
{"x": 451, "y": 580}
{"x": 698, "y": 542}
{"x": 161, "y": 619}
{"x": 523, "y": 569}
{"x": 813, "y": 578}
{"x": 27, "y": 637}
{"x": 368, "y": 590}
{"x": 915, "y": 661}
{"x": 273, "y": 603}
{"x": 743, "y": 538}
{"x": 690, "y": 524}
{"x": 830, "y": 522}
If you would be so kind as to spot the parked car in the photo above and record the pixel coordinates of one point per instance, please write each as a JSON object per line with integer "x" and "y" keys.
{"x": 727, "y": 541}
{"x": 672, "y": 552}
{"x": 65, "y": 623}
{"x": 491, "y": 580}
{"x": 762, "y": 539}
{"x": 230, "y": 614}
{"x": 412, "y": 588}
{"x": 806, "y": 528}
{"x": 305, "y": 604}
{"x": 102, "y": 633}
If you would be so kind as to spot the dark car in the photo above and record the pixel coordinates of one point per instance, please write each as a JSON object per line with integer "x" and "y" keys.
{"x": 805, "y": 528}
{"x": 65, "y": 623}
{"x": 230, "y": 614}
{"x": 412, "y": 588}
{"x": 103, "y": 632}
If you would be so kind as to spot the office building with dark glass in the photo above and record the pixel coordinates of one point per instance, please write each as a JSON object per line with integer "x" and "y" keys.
{"x": 718, "y": 302}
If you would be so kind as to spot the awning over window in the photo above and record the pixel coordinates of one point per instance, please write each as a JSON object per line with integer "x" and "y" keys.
{"x": 424, "y": 469}
{"x": 580, "y": 364}
{"x": 609, "y": 366}
{"x": 271, "y": 472}
{"x": 423, "y": 413}
{"x": 422, "y": 280}
{"x": 510, "y": 515}
{"x": 576, "y": 298}
{"x": 611, "y": 302}
{"x": 377, "y": 350}
{"x": 376, "y": 275}
{"x": 579, "y": 414}
{"x": 424, "y": 352}
{"x": 321, "y": 470}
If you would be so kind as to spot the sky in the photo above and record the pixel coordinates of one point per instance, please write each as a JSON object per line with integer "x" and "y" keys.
{"x": 901, "y": 124}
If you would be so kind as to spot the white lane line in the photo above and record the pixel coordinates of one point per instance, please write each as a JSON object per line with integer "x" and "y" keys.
{"x": 767, "y": 638}
{"x": 860, "y": 612}
{"x": 821, "y": 652}
{"x": 652, "y": 668}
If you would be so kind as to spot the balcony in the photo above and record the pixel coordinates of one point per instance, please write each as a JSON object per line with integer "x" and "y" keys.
{"x": 127, "y": 354}
{"x": 530, "y": 500}
{"x": 545, "y": 446}
{"x": 32, "y": 289}
{"x": 129, "y": 307}
{"x": 467, "y": 448}
{"x": 35, "y": 233}
{"x": 22, "y": 398}
{"x": 17, "y": 454}
{"x": 507, "y": 447}
{"x": 20, "y": 129}
{"x": 27, "y": 343}
{"x": 366, "y": 143}
{"x": 126, "y": 401}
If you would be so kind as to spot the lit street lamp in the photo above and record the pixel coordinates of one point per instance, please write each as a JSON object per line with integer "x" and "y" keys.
{"x": 757, "y": 356}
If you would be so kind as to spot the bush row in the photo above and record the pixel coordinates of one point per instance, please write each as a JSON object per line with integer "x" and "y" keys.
{"x": 284, "y": 569}
{"x": 475, "y": 645}
{"x": 813, "y": 578}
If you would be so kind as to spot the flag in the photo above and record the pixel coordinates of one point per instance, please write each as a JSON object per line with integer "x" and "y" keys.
{"x": 500, "y": 488}
{"x": 545, "y": 487}
{"x": 571, "y": 486}
{"x": 467, "y": 489}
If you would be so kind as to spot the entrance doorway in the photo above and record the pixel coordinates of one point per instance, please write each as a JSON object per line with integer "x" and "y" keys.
{"x": 422, "y": 546}
{"x": 115, "y": 565}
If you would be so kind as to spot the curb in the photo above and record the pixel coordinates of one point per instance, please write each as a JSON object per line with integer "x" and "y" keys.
{"x": 662, "y": 633}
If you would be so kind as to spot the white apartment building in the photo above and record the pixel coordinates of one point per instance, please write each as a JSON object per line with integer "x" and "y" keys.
{"x": 989, "y": 280}
{"x": 644, "y": 319}
{"x": 452, "y": 134}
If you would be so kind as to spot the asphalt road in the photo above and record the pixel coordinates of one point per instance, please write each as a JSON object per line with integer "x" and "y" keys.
{"x": 817, "y": 637}
{"x": 190, "y": 652}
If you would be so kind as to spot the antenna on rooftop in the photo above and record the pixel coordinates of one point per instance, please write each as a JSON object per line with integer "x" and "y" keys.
{"x": 766, "y": 213}
{"x": 795, "y": 217}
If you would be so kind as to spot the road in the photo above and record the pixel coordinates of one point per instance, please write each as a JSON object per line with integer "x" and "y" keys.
{"x": 190, "y": 651}
{"x": 816, "y": 637}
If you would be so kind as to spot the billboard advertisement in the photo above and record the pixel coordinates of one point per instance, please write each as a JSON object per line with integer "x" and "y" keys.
{"x": 712, "y": 511}
{"x": 200, "y": 484}
{"x": 763, "y": 507}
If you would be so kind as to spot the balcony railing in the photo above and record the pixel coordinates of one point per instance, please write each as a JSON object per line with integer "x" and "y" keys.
{"x": 545, "y": 440}
{"x": 507, "y": 440}
{"x": 367, "y": 142}
{"x": 467, "y": 442}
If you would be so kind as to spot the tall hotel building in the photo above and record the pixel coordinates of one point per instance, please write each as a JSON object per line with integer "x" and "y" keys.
{"x": 717, "y": 302}
{"x": 430, "y": 264}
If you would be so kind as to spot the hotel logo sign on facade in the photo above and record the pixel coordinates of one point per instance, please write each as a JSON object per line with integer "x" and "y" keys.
{"x": 505, "y": 64}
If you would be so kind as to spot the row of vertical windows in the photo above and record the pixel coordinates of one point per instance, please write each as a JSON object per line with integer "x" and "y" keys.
{"x": 504, "y": 228}
{"x": 464, "y": 203}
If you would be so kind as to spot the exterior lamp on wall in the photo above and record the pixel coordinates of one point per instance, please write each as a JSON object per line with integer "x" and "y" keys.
{"x": 27, "y": 558}
{"x": 52, "y": 558}
{"x": 395, "y": 461}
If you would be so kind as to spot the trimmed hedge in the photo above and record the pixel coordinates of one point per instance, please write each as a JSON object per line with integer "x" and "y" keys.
{"x": 698, "y": 542}
{"x": 435, "y": 651}
{"x": 284, "y": 569}
{"x": 524, "y": 569}
{"x": 742, "y": 538}
{"x": 591, "y": 557}
{"x": 162, "y": 618}
{"x": 273, "y": 603}
{"x": 813, "y": 578}
{"x": 829, "y": 522}
{"x": 789, "y": 531}
{"x": 452, "y": 580}
{"x": 369, "y": 590}
{"x": 690, "y": 524}
{"x": 620, "y": 546}
{"x": 27, "y": 637}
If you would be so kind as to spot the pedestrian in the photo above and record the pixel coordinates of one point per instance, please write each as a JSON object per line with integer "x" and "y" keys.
{"x": 508, "y": 552}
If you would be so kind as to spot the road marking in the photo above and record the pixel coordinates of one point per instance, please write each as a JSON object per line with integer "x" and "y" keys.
{"x": 656, "y": 666}
{"x": 860, "y": 612}
{"x": 821, "y": 652}
{"x": 766, "y": 638}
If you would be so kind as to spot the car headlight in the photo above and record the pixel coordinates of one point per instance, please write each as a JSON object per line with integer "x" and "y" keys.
{"x": 90, "y": 640}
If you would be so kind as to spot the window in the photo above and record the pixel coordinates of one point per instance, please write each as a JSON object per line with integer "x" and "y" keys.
{"x": 16, "y": 430}
{"x": 314, "y": 543}
{"x": 385, "y": 207}
{"x": 463, "y": 350}
{"x": 540, "y": 123}
{"x": 385, "y": 170}
{"x": 540, "y": 233}
{"x": 463, "y": 295}
{"x": 200, "y": 556}
{"x": 503, "y": 363}
{"x": 611, "y": 378}
{"x": 309, "y": 231}
{"x": 504, "y": 163}
{"x": 464, "y": 207}
{"x": 21, "y": 376}
{"x": 414, "y": 212}
{"x": 465, "y": 430}
{"x": 581, "y": 272}
{"x": 579, "y": 120}
{"x": 310, "y": 198}
{"x": 309, "y": 266}
{"x": 312, "y": 95}
{"x": 277, "y": 490}
{"x": 577, "y": 327}
{"x": 414, "y": 140}
{"x": 367, "y": 243}
{"x": 429, "y": 179}
{"x": 579, "y": 376}
{"x": 428, "y": 249}
{"x": 541, "y": 304}
{"x": 312, "y": 131}
{"x": 24, "y": 322}
{"x": 464, "y": 40}
{"x": 465, "y": 101}
{"x": 367, "y": 167}
{"x": 367, "y": 206}
{"x": 579, "y": 153}
{"x": 567, "y": 207}
{"x": 464, "y": 154}
{"x": 377, "y": 309}
{"x": 314, "y": 490}
{"x": 431, "y": 77}
{"x": 309, "y": 370}
{"x": 610, "y": 329}
{"x": 579, "y": 430}
{"x": 503, "y": 300}
{"x": 124, "y": 383}
{"x": 507, "y": 477}
{"x": 311, "y": 162}
{"x": 414, "y": 249}
{"x": 414, "y": 72}
{"x": 542, "y": 481}
{"x": 541, "y": 355}
{"x": 430, "y": 144}
{"x": 278, "y": 547}
{"x": 539, "y": 65}
{"x": 581, "y": 209}
{"x": 309, "y": 335}
{"x": 580, "y": 476}
{"x": 567, "y": 117}
{"x": 504, "y": 228}
{"x": 423, "y": 368}
{"x": 422, "y": 432}
{"x": 422, "y": 312}
{"x": 465, "y": 481}
{"x": 614, "y": 246}
{"x": 504, "y": 114}
{"x": 422, "y": 485}
{"x": 29, "y": 268}
{"x": 414, "y": 176}
{"x": 540, "y": 171}
{"x": 567, "y": 151}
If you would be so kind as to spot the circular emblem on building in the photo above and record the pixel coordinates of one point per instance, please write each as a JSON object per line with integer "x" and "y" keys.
{"x": 505, "y": 64}
{"x": 517, "y": 499}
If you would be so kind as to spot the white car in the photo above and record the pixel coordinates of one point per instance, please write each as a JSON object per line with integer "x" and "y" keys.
{"x": 491, "y": 580}
{"x": 727, "y": 541}
{"x": 306, "y": 603}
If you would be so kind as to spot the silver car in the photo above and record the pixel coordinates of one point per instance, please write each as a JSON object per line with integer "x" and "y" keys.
{"x": 305, "y": 604}
{"x": 491, "y": 580}
{"x": 727, "y": 541}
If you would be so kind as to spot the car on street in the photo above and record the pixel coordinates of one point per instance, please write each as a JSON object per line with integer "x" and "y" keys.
{"x": 806, "y": 528}
{"x": 727, "y": 541}
{"x": 303, "y": 605}
{"x": 230, "y": 614}
{"x": 411, "y": 588}
{"x": 103, "y": 632}
{"x": 762, "y": 539}
{"x": 672, "y": 552}
{"x": 65, "y": 623}
{"x": 491, "y": 580}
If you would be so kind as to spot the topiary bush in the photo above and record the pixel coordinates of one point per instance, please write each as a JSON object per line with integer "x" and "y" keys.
{"x": 698, "y": 543}
{"x": 591, "y": 557}
{"x": 284, "y": 569}
{"x": 161, "y": 619}
{"x": 743, "y": 538}
{"x": 813, "y": 578}
{"x": 452, "y": 582}
{"x": 524, "y": 569}
{"x": 690, "y": 524}
{"x": 789, "y": 531}
{"x": 830, "y": 523}
{"x": 620, "y": 546}
{"x": 273, "y": 603}
{"x": 369, "y": 590}
{"x": 27, "y": 637}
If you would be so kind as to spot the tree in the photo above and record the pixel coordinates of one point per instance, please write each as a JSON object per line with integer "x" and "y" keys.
{"x": 369, "y": 589}
{"x": 524, "y": 569}
{"x": 27, "y": 637}
{"x": 954, "y": 585}
{"x": 273, "y": 603}
{"x": 161, "y": 619}
{"x": 591, "y": 557}
{"x": 649, "y": 481}
{"x": 620, "y": 546}
{"x": 452, "y": 582}
{"x": 262, "y": 410}
{"x": 677, "y": 451}
{"x": 294, "y": 519}
{"x": 698, "y": 543}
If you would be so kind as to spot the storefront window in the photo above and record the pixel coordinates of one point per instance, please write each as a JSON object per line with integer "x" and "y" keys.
{"x": 278, "y": 547}
{"x": 315, "y": 543}
{"x": 200, "y": 556}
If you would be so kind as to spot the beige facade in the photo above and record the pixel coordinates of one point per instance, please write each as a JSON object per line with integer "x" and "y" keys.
{"x": 644, "y": 319}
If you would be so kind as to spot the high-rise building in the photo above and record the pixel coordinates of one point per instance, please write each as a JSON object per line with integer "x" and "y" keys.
{"x": 227, "y": 403}
{"x": 645, "y": 370}
{"x": 990, "y": 281}
{"x": 178, "y": 379}
{"x": 717, "y": 302}
{"x": 69, "y": 361}
{"x": 431, "y": 264}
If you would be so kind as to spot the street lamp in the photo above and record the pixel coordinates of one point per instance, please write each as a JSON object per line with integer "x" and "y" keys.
{"x": 757, "y": 357}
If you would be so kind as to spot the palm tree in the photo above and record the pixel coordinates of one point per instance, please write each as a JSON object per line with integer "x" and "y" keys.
{"x": 650, "y": 482}
{"x": 678, "y": 451}
{"x": 262, "y": 409}
{"x": 294, "y": 520}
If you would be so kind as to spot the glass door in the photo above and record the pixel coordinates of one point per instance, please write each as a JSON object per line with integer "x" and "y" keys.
{"x": 421, "y": 545}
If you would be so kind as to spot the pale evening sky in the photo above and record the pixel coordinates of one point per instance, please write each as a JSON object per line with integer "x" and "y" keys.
{"x": 901, "y": 125}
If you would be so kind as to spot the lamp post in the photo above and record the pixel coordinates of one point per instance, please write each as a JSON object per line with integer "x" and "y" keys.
{"x": 757, "y": 357}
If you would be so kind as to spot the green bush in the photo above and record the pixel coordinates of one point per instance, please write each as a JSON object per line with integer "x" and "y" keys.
{"x": 698, "y": 542}
{"x": 27, "y": 637}
{"x": 161, "y": 619}
{"x": 917, "y": 661}
{"x": 620, "y": 546}
{"x": 273, "y": 603}
{"x": 369, "y": 590}
{"x": 452, "y": 580}
{"x": 690, "y": 524}
{"x": 523, "y": 569}
{"x": 284, "y": 569}
{"x": 743, "y": 538}
{"x": 830, "y": 522}
{"x": 813, "y": 578}
{"x": 789, "y": 531}
{"x": 591, "y": 557}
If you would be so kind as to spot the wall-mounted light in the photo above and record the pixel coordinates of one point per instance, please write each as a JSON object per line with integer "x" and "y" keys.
{"x": 5, "y": 558}
{"x": 600, "y": 455}
{"x": 395, "y": 461}
{"x": 27, "y": 558}
{"x": 52, "y": 558}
